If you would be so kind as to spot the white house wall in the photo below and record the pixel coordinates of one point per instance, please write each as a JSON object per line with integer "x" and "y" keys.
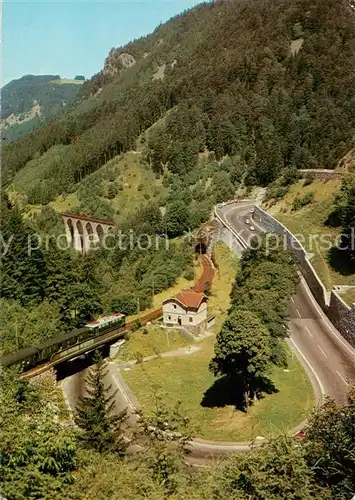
{"x": 172, "y": 314}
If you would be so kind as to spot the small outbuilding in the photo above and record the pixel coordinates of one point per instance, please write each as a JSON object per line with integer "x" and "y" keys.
{"x": 188, "y": 309}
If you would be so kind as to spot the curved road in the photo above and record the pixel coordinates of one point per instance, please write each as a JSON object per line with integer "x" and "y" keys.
{"x": 327, "y": 356}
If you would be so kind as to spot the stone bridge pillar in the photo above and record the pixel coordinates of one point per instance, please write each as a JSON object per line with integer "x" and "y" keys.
{"x": 83, "y": 232}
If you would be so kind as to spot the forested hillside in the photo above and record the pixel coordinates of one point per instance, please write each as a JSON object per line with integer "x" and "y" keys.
{"x": 49, "y": 290}
{"x": 28, "y": 102}
{"x": 269, "y": 83}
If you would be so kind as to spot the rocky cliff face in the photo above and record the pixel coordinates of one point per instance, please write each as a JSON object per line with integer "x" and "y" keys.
{"x": 117, "y": 61}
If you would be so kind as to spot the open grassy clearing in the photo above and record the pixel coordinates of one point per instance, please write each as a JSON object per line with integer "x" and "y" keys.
{"x": 155, "y": 341}
{"x": 137, "y": 186}
{"x": 187, "y": 379}
{"x": 308, "y": 224}
{"x": 227, "y": 267}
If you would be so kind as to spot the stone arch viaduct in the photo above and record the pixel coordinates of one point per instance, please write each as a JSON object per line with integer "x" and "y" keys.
{"x": 82, "y": 231}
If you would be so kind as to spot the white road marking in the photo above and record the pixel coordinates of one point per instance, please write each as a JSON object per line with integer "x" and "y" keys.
{"x": 299, "y": 314}
{"x": 292, "y": 300}
{"x": 322, "y": 351}
{"x": 323, "y": 393}
{"x": 343, "y": 379}
{"x": 309, "y": 331}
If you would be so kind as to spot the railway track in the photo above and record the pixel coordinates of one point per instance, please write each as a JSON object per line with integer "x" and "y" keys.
{"x": 207, "y": 276}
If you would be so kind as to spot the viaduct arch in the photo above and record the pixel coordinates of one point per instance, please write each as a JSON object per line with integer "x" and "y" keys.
{"x": 82, "y": 231}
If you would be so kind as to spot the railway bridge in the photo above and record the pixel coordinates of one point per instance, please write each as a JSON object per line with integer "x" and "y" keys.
{"x": 84, "y": 232}
{"x": 101, "y": 341}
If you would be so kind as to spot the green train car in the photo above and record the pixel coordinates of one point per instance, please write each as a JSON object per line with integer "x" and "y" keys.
{"x": 63, "y": 345}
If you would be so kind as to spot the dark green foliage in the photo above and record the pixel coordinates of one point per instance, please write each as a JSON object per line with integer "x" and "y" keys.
{"x": 22, "y": 265}
{"x": 125, "y": 304}
{"x": 26, "y": 326}
{"x": 289, "y": 176}
{"x": 73, "y": 286}
{"x": 280, "y": 187}
{"x": 163, "y": 426}
{"x": 112, "y": 190}
{"x": 309, "y": 178}
{"x": 277, "y": 470}
{"x": 38, "y": 454}
{"x": 330, "y": 446}
{"x": 48, "y": 222}
{"x": 95, "y": 415}
{"x": 242, "y": 352}
{"x": 303, "y": 200}
{"x": 345, "y": 209}
{"x": 176, "y": 219}
{"x": 264, "y": 286}
{"x": 222, "y": 187}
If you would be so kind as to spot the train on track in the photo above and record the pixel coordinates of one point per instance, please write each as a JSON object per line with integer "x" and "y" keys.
{"x": 64, "y": 345}
{"x": 92, "y": 335}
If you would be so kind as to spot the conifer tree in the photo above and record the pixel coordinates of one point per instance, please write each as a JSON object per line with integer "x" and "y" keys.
{"x": 95, "y": 413}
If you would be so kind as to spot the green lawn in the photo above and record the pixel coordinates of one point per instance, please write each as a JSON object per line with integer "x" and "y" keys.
{"x": 227, "y": 268}
{"x": 187, "y": 378}
{"x": 157, "y": 340}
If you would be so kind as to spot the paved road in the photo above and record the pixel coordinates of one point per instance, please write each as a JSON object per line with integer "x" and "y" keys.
{"x": 327, "y": 356}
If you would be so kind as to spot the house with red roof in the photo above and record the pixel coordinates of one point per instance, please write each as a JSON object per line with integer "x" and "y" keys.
{"x": 187, "y": 309}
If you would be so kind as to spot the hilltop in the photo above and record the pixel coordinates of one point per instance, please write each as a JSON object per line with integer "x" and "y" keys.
{"x": 28, "y": 102}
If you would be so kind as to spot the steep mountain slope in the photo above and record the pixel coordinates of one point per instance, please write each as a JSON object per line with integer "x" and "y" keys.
{"x": 269, "y": 83}
{"x": 29, "y": 101}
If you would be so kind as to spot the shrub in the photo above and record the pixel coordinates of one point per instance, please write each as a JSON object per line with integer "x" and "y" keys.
{"x": 290, "y": 176}
{"x": 189, "y": 273}
{"x": 112, "y": 191}
{"x": 309, "y": 178}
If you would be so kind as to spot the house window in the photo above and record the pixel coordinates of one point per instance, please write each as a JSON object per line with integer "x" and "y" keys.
{"x": 191, "y": 319}
{"x": 169, "y": 317}
{"x": 174, "y": 306}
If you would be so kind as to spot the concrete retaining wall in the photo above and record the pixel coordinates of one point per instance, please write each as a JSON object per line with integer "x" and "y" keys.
{"x": 324, "y": 175}
{"x": 341, "y": 315}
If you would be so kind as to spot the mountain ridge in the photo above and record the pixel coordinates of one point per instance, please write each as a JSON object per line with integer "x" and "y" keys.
{"x": 232, "y": 85}
{"x": 31, "y": 100}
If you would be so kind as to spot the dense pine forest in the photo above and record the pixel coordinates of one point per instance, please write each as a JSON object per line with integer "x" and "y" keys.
{"x": 270, "y": 83}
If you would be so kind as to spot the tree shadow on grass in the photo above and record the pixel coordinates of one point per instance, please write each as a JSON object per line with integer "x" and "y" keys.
{"x": 227, "y": 391}
{"x": 341, "y": 261}
{"x": 333, "y": 219}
